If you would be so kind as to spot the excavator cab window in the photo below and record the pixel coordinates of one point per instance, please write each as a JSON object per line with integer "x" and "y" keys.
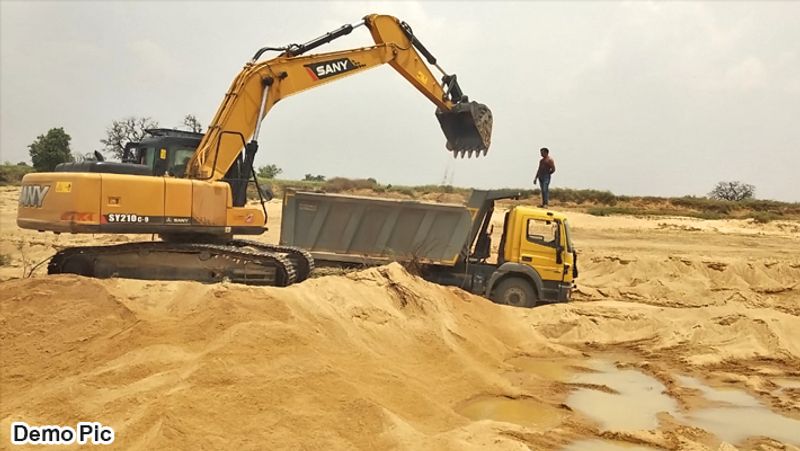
{"x": 145, "y": 156}
{"x": 164, "y": 159}
{"x": 178, "y": 159}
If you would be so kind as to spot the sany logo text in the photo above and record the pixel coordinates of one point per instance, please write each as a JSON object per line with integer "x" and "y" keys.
{"x": 33, "y": 195}
{"x": 330, "y": 68}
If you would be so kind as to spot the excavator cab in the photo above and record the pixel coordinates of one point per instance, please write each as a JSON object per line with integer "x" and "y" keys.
{"x": 164, "y": 151}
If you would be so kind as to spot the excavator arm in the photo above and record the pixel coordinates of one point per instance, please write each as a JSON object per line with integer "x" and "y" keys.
{"x": 260, "y": 85}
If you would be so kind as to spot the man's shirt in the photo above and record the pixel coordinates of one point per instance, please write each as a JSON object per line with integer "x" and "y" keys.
{"x": 546, "y": 167}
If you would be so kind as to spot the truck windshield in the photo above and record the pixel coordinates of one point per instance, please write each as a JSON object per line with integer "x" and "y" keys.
{"x": 568, "y": 235}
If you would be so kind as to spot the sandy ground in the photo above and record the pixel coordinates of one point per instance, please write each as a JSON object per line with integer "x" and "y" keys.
{"x": 380, "y": 359}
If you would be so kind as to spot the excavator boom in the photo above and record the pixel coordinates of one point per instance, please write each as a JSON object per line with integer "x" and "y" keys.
{"x": 260, "y": 85}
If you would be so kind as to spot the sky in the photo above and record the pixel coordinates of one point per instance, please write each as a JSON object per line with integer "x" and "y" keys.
{"x": 639, "y": 98}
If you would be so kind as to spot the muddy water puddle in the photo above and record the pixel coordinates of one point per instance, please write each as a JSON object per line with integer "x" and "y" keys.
{"x": 734, "y": 416}
{"x": 739, "y": 416}
{"x": 553, "y": 369}
{"x": 625, "y": 399}
{"x": 522, "y": 411}
{"x": 634, "y": 404}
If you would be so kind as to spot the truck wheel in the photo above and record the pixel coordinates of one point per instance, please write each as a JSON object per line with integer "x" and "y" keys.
{"x": 516, "y": 292}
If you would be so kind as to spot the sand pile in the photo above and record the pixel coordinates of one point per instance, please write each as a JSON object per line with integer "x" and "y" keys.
{"x": 375, "y": 359}
{"x": 692, "y": 282}
{"x": 380, "y": 359}
{"x": 370, "y": 360}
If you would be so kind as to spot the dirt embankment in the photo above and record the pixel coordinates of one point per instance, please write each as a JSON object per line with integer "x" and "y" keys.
{"x": 380, "y": 359}
{"x": 374, "y": 359}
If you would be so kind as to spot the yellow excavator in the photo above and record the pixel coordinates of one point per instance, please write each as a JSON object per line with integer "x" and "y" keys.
{"x": 191, "y": 188}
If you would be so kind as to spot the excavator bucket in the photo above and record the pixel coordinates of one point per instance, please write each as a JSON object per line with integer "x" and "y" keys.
{"x": 467, "y": 127}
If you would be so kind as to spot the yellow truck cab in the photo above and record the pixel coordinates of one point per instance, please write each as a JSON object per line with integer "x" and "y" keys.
{"x": 536, "y": 258}
{"x": 449, "y": 244}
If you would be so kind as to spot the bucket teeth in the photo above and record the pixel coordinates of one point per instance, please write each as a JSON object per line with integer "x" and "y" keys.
{"x": 468, "y": 153}
{"x": 467, "y": 127}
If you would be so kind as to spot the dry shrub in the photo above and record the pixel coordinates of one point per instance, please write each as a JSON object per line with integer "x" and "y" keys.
{"x": 342, "y": 184}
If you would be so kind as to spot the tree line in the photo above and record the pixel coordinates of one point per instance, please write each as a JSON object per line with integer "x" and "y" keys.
{"x": 52, "y": 148}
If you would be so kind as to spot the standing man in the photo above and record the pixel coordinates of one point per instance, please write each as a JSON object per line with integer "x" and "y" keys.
{"x": 546, "y": 168}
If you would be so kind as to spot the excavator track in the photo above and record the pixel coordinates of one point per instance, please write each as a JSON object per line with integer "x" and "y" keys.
{"x": 239, "y": 261}
{"x": 301, "y": 259}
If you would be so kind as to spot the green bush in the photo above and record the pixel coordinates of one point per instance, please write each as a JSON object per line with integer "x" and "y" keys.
{"x": 729, "y": 208}
{"x": 340, "y": 184}
{"x": 764, "y": 217}
{"x": 772, "y": 206}
{"x": 269, "y": 171}
{"x": 50, "y": 149}
{"x": 704, "y": 204}
{"x": 410, "y": 191}
{"x": 598, "y": 211}
{"x": 11, "y": 174}
{"x": 581, "y": 196}
{"x": 642, "y": 211}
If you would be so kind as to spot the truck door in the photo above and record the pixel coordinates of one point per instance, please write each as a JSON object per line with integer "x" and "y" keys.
{"x": 539, "y": 248}
{"x": 568, "y": 254}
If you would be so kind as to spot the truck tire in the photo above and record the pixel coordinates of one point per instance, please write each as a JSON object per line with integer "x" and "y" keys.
{"x": 515, "y": 291}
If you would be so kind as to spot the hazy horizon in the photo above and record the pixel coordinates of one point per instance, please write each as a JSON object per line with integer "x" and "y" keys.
{"x": 637, "y": 98}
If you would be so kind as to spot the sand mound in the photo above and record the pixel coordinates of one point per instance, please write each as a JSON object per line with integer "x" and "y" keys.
{"x": 380, "y": 359}
{"x": 689, "y": 281}
{"x": 375, "y": 359}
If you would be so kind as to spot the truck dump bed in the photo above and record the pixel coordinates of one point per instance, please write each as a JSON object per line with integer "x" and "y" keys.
{"x": 367, "y": 230}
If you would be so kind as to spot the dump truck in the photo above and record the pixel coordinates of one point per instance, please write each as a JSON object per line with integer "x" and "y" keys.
{"x": 450, "y": 244}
